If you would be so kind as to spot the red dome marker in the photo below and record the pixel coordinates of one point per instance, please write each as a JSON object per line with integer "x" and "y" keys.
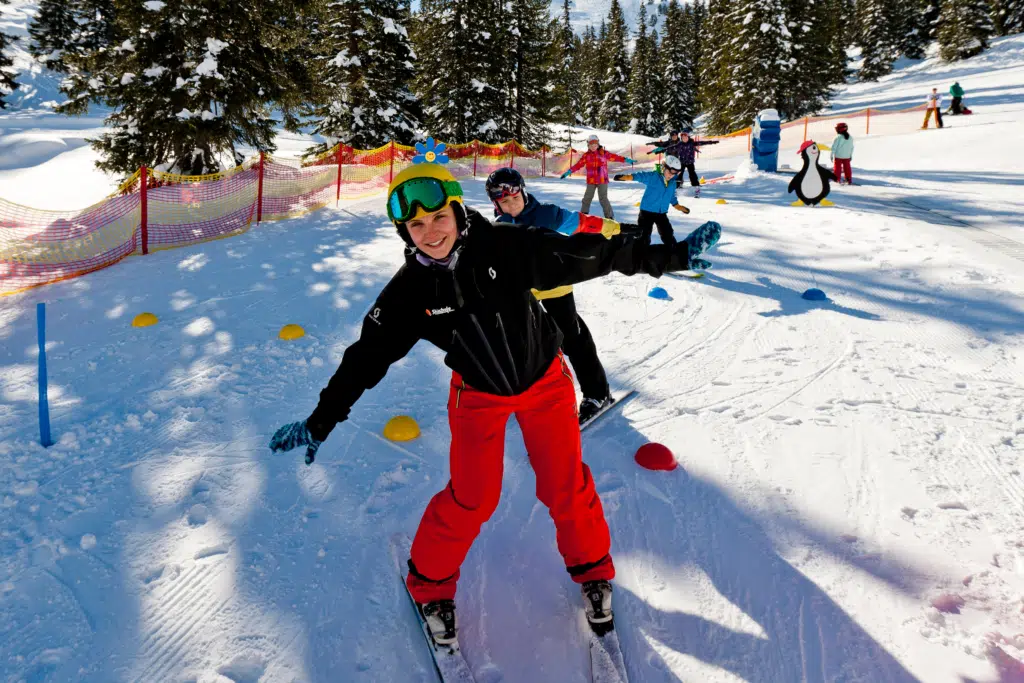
{"x": 655, "y": 456}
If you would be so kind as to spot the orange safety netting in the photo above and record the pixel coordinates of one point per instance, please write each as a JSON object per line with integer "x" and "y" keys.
{"x": 39, "y": 247}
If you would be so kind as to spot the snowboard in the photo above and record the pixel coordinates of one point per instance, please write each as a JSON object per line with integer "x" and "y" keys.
{"x": 451, "y": 666}
{"x": 618, "y": 398}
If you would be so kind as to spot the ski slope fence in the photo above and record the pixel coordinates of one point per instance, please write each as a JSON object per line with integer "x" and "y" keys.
{"x": 153, "y": 210}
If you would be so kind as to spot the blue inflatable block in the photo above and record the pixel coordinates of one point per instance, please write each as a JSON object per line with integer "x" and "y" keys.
{"x": 814, "y": 295}
{"x": 659, "y": 293}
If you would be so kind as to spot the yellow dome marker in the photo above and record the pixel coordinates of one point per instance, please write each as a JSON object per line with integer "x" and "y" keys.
{"x": 720, "y": 201}
{"x": 144, "y": 320}
{"x": 702, "y": 181}
{"x": 401, "y": 428}
{"x": 291, "y": 332}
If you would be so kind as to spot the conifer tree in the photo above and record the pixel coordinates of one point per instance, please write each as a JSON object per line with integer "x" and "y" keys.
{"x": 840, "y": 30}
{"x": 1008, "y": 16}
{"x": 529, "y": 99}
{"x": 52, "y": 30}
{"x": 811, "y": 57}
{"x": 194, "y": 80}
{"x": 459, "y": 79}
{"x": 715, "y": 76}
{"x": 908, "y": 22}
{"x": 592, "y": 86}
{"x": 759, "y": 67}
{"x": 875, "y": 34}
{"x": 94, "y": 44}
{"x": 615, "y": 103}
{"x": 367, "y": 75}
{"x": 697, "y": 12}
{"x": 7, "y": 74}
{"x": 965, "y": 27}
{"x": 565, "y": 78}
{"x": 678, "y": 69}
{"x": 644, "y": 118}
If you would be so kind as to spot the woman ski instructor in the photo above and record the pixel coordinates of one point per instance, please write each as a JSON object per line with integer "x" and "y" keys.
{"x": 466, "y": 287}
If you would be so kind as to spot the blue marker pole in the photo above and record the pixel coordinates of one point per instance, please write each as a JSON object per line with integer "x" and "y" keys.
{"x": 44, "y": 406}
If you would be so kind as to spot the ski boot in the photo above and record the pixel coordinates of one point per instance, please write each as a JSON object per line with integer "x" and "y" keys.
{"x": 591, "y": 407}
{"x": 696, "y": 192}
{"x": 597, "y": 602}
{"x": 439, "y": 617}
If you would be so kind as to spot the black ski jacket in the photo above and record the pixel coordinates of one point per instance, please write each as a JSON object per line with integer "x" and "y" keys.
{"x": 480, "y": 310}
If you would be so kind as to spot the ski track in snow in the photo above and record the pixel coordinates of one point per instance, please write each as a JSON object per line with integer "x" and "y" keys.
{"x": 844, "y": 465}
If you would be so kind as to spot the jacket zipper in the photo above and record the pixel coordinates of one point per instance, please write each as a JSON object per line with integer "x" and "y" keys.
{"x": 508, "y": 351}
{"x": 476, "y": 362}
{"x": 490, "y": 353}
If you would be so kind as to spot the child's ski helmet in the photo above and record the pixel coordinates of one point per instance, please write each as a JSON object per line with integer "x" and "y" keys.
{"x": 422, "y": 189}
{"x": 503, "y": 183}
{"x": 593, "y": 138}
{"x": 673, "y": 163}
{"x": 841, "y": 127}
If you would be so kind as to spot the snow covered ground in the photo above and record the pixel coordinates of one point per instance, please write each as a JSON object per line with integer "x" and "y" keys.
{"x": 844, "y": 466}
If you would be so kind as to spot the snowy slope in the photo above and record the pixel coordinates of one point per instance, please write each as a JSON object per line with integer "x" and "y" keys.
{"x": 843, "y": 465}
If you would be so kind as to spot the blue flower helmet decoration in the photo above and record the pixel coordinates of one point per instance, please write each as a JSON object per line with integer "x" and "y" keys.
{"x": 430, "y": 152}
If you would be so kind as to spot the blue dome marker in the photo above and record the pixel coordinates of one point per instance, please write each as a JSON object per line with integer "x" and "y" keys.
{"x": 659, "y": 293}
{"x": 814, "y": 294}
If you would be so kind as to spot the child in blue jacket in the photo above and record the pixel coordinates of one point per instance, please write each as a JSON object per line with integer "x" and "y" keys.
{"x": 659, "y": 195}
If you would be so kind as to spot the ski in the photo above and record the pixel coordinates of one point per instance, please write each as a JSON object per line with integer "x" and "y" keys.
{"x": 618, "y": 398}
{"x": 606, "y": 663}
{"x": 449, "y": 663}
{"x": 688, "y": 275}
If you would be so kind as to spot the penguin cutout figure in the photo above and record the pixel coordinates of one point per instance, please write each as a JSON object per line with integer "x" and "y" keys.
{"x": 811, "y": 182}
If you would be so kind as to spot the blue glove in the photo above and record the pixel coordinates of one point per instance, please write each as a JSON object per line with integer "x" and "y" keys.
{"x": 565, "y": 175}
{"x": 703, "y": 238}
{"x": 293, "y": 435}
{"x": 631, "y": 161}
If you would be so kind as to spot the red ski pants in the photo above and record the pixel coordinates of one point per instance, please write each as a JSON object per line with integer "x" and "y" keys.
{"x": 546, "y": 413}
{"x": 839, "y": 166}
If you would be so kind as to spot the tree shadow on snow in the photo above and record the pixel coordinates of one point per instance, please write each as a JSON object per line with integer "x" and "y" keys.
{"x": 674, "y": 533}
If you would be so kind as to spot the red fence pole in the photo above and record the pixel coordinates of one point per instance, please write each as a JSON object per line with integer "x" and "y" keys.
{"x": 570, "y": 160}
{"x": 806, "y": 119}
{"x": 337, "y": 199}
{"x": 512, "y": 151}
{"x": 391, "y": 173}
{"x": 749, "y": 133}
{"x": 476, "y": 146}
{"x": 544, "y": 161}
{"x": 868, "y": 131}
{"x": 631, "y": 153}
{"x": 143, "y": 192}
{"x": 259, "y": 192}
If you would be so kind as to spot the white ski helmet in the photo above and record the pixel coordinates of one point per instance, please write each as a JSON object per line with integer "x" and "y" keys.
{"x": 593, "y": 138}
{"x": 673, "y": 163}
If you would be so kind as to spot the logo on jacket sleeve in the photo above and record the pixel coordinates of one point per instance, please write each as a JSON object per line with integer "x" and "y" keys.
{"x": 440, "y": 311}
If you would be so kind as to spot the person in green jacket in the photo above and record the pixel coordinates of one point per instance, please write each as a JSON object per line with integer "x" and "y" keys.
{"x": 957, "y": 93}
{"x": 842, "y": 153}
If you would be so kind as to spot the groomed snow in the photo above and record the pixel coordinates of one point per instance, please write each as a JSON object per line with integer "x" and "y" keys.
{"x": 844, "y": 467}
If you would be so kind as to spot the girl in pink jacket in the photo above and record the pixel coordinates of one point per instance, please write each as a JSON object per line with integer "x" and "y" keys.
{"x": 596, "y": 159}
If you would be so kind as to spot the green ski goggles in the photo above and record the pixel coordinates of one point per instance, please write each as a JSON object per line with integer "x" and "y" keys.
{"x": 429, "y": 193}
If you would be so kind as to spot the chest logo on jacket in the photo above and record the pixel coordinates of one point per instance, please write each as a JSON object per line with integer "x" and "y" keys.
{"x": 440, "y": 311}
